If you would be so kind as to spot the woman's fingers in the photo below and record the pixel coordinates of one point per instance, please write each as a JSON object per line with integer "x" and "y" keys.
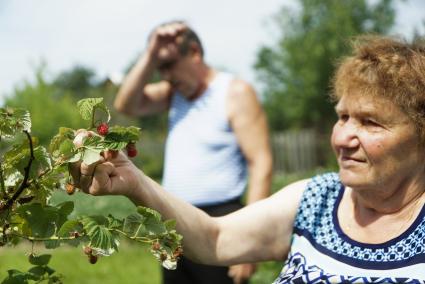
{"x": 102, "y": 179}
{"x": 87, "y": 173}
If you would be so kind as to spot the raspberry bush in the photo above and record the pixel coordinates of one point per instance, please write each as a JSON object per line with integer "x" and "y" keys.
{"x": 30, "y": 173}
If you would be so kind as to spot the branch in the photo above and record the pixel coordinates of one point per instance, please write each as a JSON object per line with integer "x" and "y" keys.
{"x": 53, "y": 238}
{"x": 2, "y": 186}
{"x": 137, "y": 239}
{"x": 24, "y": 183}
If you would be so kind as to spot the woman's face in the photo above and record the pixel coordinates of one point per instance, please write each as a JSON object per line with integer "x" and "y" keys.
{"x": 376, "y": 144}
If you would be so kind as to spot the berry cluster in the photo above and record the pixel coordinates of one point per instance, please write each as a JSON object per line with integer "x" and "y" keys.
{"x": 103, "y": 130}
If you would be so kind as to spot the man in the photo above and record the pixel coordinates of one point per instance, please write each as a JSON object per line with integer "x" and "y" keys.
{"x": 217, "y": 131}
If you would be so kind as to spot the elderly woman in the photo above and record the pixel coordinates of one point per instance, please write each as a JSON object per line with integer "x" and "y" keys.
{"x": 364, "y": 224}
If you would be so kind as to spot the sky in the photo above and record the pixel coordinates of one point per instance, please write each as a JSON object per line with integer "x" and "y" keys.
{"x": 107, "y": 35}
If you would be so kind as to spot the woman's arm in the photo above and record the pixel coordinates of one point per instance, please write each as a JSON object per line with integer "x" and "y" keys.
{"x": 258, "y": 232}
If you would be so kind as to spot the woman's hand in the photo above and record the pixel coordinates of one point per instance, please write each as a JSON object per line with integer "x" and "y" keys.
{"x": 113, "y": 174}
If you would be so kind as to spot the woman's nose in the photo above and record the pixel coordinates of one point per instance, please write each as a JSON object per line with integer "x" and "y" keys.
{"x": 345, "y": 134}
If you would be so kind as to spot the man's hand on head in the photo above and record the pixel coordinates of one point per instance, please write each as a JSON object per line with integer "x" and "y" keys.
{"x": 164, "y": 42}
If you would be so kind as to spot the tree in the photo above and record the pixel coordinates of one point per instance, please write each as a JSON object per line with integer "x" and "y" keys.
{"x": 48, "y": 106}
{"x": 297, "y": 71}
{"x": 78, "y": 81}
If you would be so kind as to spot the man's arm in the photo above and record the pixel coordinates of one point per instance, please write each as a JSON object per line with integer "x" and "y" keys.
{"x": 136, "y": 97}
{"x": 249, "y": 124}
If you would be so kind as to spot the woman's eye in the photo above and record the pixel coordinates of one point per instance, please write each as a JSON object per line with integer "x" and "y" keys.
{"x": 370, "y": 122}
{"x": 343, "y": 117}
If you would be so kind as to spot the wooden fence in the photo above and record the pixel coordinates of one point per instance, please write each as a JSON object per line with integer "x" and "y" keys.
{"x": 293, "y": 151}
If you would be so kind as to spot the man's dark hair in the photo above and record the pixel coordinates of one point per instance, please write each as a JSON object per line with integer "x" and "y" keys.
{"x": 188, "y": 36}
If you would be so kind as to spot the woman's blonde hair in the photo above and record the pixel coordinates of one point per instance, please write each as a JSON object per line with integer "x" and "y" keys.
{"x": 387, "y": 67}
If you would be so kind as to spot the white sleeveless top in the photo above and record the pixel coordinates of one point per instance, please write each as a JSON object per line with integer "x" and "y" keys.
{"x": 203, "y": 162}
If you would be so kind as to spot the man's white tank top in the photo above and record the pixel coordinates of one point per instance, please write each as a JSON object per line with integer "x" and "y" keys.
{"x": 204, "y": 164}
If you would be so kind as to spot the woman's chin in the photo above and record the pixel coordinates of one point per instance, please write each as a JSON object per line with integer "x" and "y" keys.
{"x": 351, "y": 179}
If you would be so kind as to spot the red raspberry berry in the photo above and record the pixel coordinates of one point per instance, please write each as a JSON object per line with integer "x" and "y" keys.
{"x": 131, "y": 150}
{"x": 103, "y": 128}
{"x": 70, "y": 188}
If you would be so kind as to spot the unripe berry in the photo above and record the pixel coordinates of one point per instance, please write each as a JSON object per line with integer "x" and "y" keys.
{"x": 163, "y": 256}
{"x": 88, "y": 250}
{"x": 92, "y": 259}
{"x": 156, "y": 246}
{"x": 70, "y": 188}
{"x": 103, "y": 129}
{"x": 131, "y": 150}
{"x": 75, "y": 234}
{"x": 178, "y": 252}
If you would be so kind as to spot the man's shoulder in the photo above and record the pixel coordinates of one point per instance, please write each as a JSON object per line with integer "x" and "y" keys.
{"x": 239, "y": 86}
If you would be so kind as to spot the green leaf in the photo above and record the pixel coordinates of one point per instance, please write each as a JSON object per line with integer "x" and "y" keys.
{"x": 65, "y": 151}
{"x": 75, "y": 158}
{"x": 119, "y": 136}
{"x": 23, "y": 119}
{"x": 18, "y": 156}
{"x": 148, "y": 213}
{"x": 41, "y": 220}
{"x": 38, "y": 271}
{"x": 39, "y": 259}
{"x": 52, "y": 244}
{"x": 16, "y": 277}
{"x": 14, "y": 120}
{"x": 49, "y": 270}
{"x": 68, "y": 227}
{"x": 86, "y": 107}
{"x": 133, "y": 225}
{"x": 98, "y": 233}
{"x": 90, "y": 156}
{"x": 64, "y": 134}
{"x": 152, "y": 220}
{"x": 170, "y": 224}
{"x": 93, "y": 142}
{"x": 66, "y": 208}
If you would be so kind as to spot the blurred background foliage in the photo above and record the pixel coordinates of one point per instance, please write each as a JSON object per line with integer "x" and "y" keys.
{"x": 295, "y": 72}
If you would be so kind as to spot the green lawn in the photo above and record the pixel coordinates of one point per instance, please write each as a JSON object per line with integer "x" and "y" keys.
{"x": 132, "y": 264}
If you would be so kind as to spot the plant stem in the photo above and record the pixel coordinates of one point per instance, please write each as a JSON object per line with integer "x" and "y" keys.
{"x": 2, "y": 186}
{"x": 137, "y": 239}
{"x": 24, "y": 183}
{"x": 35, "y": 239}
{"x": 92, "y": 118}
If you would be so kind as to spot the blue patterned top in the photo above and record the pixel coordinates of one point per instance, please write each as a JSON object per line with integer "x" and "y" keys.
{"x": 322, "y": 253}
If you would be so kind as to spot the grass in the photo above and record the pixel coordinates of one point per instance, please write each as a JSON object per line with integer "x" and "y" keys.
{"x": 132, "y": 264}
